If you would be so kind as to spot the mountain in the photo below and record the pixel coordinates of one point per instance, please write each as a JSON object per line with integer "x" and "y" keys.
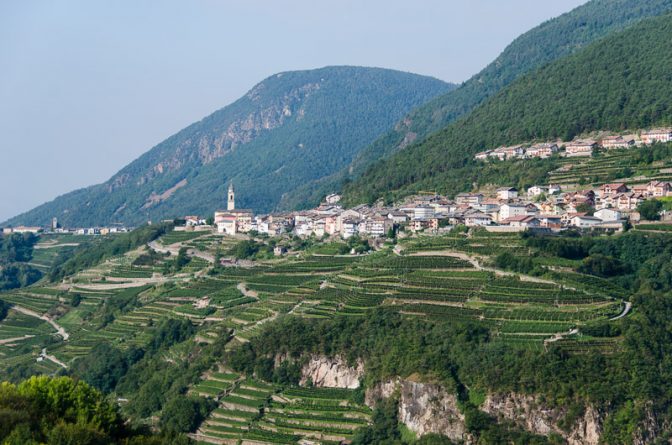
{"x": 290, "y": 129}
{"x": 547, "y": 42}
{"x": 621, "y": 82}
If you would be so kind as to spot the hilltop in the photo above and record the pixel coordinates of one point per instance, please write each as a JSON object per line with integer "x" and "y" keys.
{"x": 288, "y": 130}
{"x": 619, "y": 83}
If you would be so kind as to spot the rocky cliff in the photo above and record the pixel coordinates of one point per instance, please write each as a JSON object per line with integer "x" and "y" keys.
{"x": 530, "y": 414}
{"x": 423, "y": 407}
{"x": 331, "y": 373}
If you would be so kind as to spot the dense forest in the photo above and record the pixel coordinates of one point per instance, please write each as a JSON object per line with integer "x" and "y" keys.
{"x": 621, "y": 82}
{"x": 15, "y": 250}
{"x": 289, "y": 130}
{"x": 61, "y": 410}
{"x": 548, "y": 42}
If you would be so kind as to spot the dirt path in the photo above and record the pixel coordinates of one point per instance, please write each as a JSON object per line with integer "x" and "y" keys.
{"x": 51, "y": 358}
{"x": 474, "y": 261}
{"x": 626, "y": 310}
{"x": 245, "y": 291}
{"x": 558, "y": 337}
{"x": 15, "y": 339}
{"x": 59, "y": 328}
{"x": 174, "y": 249}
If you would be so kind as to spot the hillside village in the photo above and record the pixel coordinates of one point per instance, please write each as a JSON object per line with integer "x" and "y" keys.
{"x": 564, "y": 203}
{"x": 577, "y": 147}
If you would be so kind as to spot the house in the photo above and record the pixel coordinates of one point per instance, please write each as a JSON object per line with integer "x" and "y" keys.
{"x": 522, "y": 221}
{"x": 477, "y": 219}
{"x": 375, "y": 227}
{"x": 423, "y": 212}
{"x": 536, "y": 190}
{"x": 506, "y": 193}
{"x": 397, "y": 217}
{"x": 279, "y": 250}
{"x": 629, "y": 201}
{"x": 550, "y": 207}
{"x": 615, "y": 142}
{"x": 608, "y": 215}
{"x": 349, "y": 228}
{"x": 192, "y": 220}
{"x": 545, "y": 150}
{"x": 580, "y": 147}
{"x": 482, "y": 156}
{"x": 550, "y": 221}
{"x": 424, "y": 224}
{"x": 332, "y": 198}
{"x": 470, "y": 199}
{"x": 225, "y": 222}
{"x": 609, "y": 189}
{"x": 244, "y": 218}
{"x": 585, "y": 221}
{"x": 658, "y": 188}
{"x": 514, "y": 151}
{"x": 553, "y": 189}
{"x": 25, "y": 229}
{"x": 657, "y": 135}
{"x": 510, "y": 210}
{"x": 497, "y": 153}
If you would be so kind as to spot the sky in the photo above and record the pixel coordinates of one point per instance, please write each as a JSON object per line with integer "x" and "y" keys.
{"x": 88, "y": 86}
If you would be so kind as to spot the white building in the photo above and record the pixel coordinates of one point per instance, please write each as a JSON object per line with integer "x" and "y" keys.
{"x": 507, "y": 211}
{"x": 657, "y": 135}
{"x": 608, "y": 215}
{"x": 507, "y": 193}
{"x": 585, "y": 221}
{"x": 477, "y": 219}
{"x": 423, "y": 212}
{"x": 349, "y": 228}
{"x": 333, "y": 198}
{"x": 536, "y": 190}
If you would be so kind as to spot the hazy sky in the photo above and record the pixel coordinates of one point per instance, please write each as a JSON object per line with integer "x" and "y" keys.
{"x": 87, "y": 86}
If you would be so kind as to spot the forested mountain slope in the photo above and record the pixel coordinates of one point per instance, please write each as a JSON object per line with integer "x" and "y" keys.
{"x": 549, "y": 41}
{"x": 290, "y": 129}
{"x": 621, "y": 82}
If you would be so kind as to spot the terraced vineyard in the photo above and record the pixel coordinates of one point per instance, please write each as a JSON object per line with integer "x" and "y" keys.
{"x": 622, "y": 164}
{"x": 254, "y": 411}
{"x": 439, "y": 278}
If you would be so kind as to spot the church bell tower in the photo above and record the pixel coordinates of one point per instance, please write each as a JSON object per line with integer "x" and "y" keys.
{"x": 231, "y": 205}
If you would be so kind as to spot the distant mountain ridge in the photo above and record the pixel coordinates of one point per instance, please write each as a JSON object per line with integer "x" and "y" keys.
{"x": 622, "y": 82}
{"x": 288, "y": 130}
{"x": 543, "y": 44}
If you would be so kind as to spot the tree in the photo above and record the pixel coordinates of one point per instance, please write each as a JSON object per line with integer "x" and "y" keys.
{"x": 650, "y": 209}
{"x": 183, "y": 414}
{"x": 586, "y": 208}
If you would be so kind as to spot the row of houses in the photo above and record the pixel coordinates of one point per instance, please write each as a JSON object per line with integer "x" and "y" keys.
{"x": 577, "y": 147}
{"x": 64, "y": 231}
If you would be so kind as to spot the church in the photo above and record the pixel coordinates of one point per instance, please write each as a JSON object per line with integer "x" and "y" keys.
{"x": 233, "y": 220}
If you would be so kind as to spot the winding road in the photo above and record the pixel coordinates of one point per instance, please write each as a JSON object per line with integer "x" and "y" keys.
{"x": 59, "y": 328}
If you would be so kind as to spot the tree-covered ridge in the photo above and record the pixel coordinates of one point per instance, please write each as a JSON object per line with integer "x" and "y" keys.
{"x": 43, "y": 410}
{"x": 289, "y": 130}
{"x": 621, "y": 82}
{"x": 15, "y": 251}
{"x": 549, "y": 41}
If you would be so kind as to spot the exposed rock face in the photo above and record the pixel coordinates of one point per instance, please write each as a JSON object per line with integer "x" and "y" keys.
{"x": 332, "y": 373}
{"x": 424, "y": 407}
{"x": 528, "y": 413}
